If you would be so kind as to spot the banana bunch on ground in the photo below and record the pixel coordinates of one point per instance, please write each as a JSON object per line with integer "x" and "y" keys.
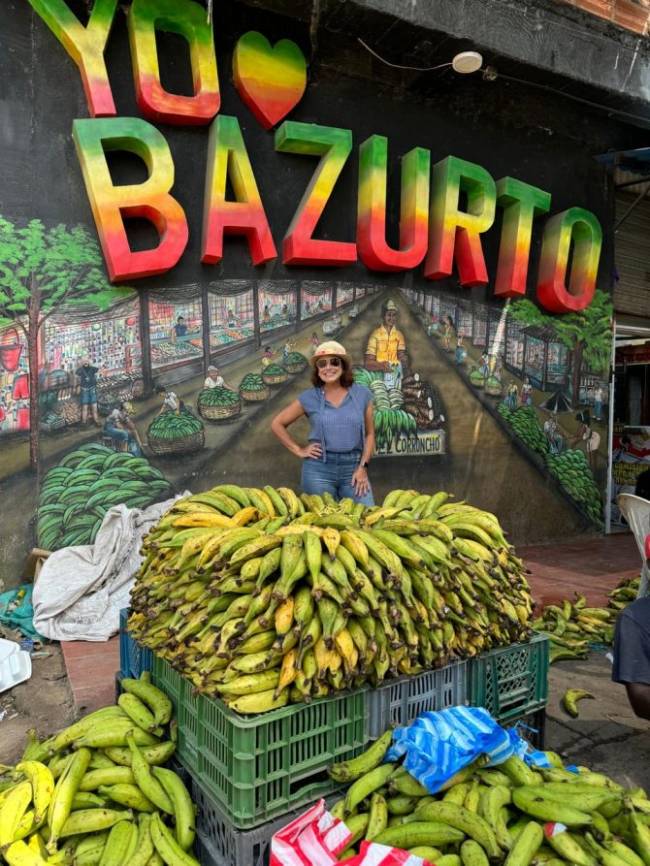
{"x": 572, "y": 627}
{"x": 509, "y": 814}
{"x": 262, "y": 597}
{"x": 97, "y": 793}
{"x": 570, "y": 701}
{"x": 624, "y": 594}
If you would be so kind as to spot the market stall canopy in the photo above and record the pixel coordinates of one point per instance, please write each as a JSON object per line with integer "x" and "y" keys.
{"x": 557, "y": 402}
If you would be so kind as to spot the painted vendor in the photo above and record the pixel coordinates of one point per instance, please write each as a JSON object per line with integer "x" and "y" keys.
{"x": 386, "y": 349}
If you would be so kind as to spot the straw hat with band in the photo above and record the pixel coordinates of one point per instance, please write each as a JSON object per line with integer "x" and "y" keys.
{"x": 330, "y": 349}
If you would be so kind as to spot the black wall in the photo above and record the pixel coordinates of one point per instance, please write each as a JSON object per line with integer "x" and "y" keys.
{"x": 504, "y": 131}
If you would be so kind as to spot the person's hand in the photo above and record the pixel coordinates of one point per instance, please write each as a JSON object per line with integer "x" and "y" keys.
{"x": 386, "y": 366}
{"x": 312, "y": 450}
{"x": 360, "y": 481}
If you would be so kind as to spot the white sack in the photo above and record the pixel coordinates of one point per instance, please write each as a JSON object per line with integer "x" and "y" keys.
{"x": 81, "y": 590}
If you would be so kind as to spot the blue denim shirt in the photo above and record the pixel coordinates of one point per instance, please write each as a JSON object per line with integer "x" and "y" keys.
{"x": 337, "y": 429}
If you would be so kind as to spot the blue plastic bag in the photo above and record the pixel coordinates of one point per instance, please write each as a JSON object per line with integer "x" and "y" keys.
{"x": 438, "y": 745}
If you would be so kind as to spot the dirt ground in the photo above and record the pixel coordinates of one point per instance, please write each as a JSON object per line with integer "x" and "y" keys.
{"x": 606, "y": 736}
{"x": 44, "y": 702}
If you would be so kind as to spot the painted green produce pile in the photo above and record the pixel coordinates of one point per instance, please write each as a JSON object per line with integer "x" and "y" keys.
{"x": 526, "y": 425}
{"x": 252, "y": 382}
{"x": 296, "y": 359}
{"x": 477, "y": 378}
{"x": 274, "y": 370}
{"x": 218, "y": 397}
{"x": 571, "y": 467}
{"x": 76, "y": 494}
{"x": 171, "y": 426}
{"x": 365, "y": 377}
{"x": 391, "y": 419}
{"x": 572, "y": 470}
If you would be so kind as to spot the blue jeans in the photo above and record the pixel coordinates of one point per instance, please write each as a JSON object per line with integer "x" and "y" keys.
{"x": 87, "y": 396}
{"x": 117, "y": 434}
{"x": 333, "y": 475}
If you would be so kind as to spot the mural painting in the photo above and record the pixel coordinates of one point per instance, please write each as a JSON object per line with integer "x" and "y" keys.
{"x": 486, "y": 352}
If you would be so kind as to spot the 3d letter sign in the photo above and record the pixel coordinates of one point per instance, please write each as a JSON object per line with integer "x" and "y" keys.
{"x": 443, "y": 210}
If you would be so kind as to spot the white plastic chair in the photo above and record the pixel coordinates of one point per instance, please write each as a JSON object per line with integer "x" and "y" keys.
{"x": 637, "y": 513}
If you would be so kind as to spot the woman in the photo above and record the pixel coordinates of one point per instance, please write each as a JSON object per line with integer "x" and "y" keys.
{"x": 342, "y": 435}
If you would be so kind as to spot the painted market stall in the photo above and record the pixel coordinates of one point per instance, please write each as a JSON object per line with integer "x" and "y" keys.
{"x": 175, "y": 327}
{"x": 231, "y": 312}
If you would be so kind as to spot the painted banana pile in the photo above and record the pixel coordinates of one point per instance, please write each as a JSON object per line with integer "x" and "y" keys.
{"x": 391, "y": 419}
{"x": 262, "y": 598}
{"x": 525, "y": 424}
{"x": 572, "y": 626}
{"x": 252, "y": 387}
{"x": 509, "y": 814}
{"x": 218, "y": 397}
{"x": 97, "y": 793}
{"x": 169, "y": 426}
{"x": 274, "y": 374}
{"x": 295, "y": 362}
{"x": 77, "y": 493}
{"x": 571, "y": 468}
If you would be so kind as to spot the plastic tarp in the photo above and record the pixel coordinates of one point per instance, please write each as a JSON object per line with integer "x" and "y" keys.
{"x": 20, "y": 617}
{"x": 81, "y": 590}
{"x": 435, "y": 747}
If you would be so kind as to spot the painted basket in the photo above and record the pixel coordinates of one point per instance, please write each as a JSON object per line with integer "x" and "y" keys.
{"x": 276, "y": 379}
{"x": 254, "y": 396}
{"x": 494, "y": 390}
{"x": 182, "y": 445}
{"x": 219, "y": 413}
{"x": 296, "y": 368}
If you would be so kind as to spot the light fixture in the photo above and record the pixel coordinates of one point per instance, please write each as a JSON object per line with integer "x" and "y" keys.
{"x": 467, "y": 62}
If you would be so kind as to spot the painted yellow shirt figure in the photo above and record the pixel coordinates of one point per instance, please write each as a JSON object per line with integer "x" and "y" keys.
{"x": 384, "y": 344}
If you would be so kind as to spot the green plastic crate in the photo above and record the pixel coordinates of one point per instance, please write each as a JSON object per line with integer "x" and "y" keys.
{"x": 511, "y": 681}
{"x": 259, "y": 767}
{"x": 179, "y": 690}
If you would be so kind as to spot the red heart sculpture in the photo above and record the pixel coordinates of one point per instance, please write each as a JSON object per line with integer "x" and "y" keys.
{"x": 270, "y": 79}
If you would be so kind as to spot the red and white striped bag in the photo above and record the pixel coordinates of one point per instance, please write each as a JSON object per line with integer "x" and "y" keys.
{"x": 316, "y": 839}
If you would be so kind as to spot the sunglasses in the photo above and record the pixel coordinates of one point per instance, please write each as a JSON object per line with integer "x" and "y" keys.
{"x": 329, "y": 362}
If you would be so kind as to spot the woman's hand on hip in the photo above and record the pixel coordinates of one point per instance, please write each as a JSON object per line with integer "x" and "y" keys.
{"x": 312, "y": 450}
{"x": 360, "y": 481}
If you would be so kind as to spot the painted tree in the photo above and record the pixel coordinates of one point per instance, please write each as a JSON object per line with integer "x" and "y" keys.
{"x": 587, "y": 334}
{"x": 43, "y": 271}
